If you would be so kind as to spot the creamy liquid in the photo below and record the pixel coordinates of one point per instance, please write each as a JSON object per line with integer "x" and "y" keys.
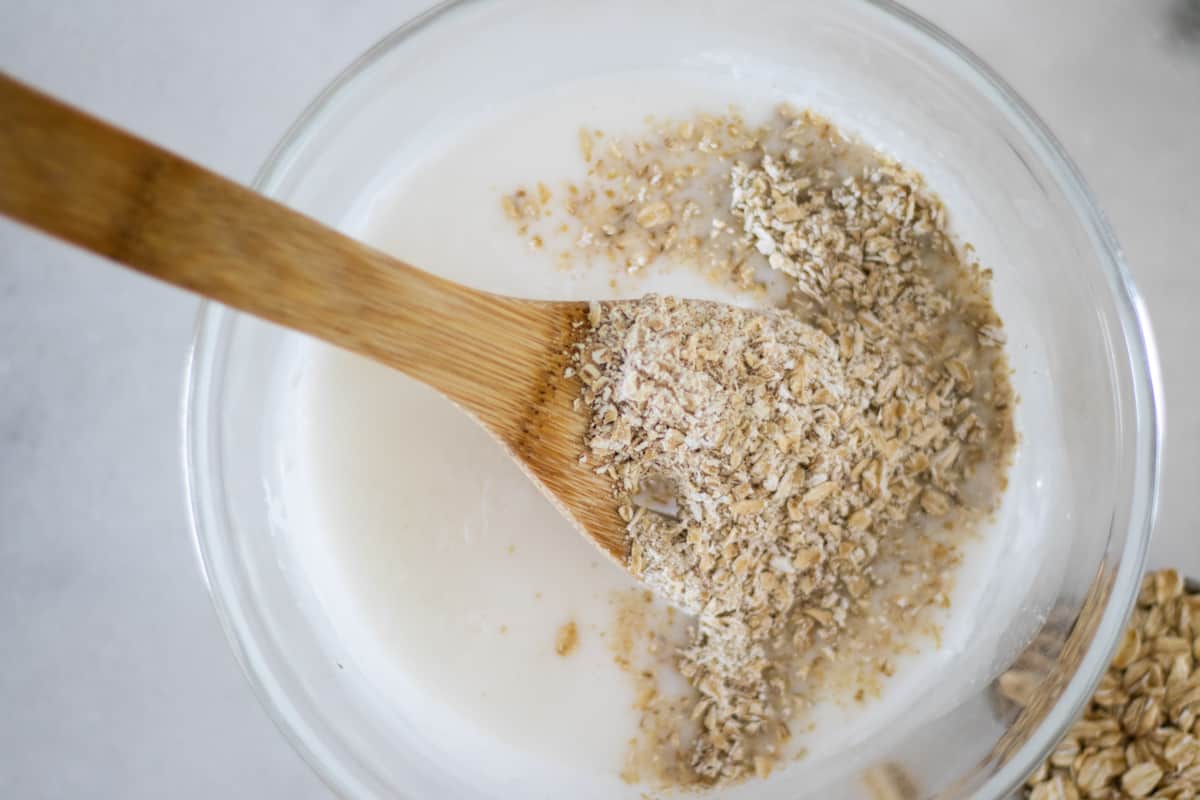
{"x": 443, "y": 571}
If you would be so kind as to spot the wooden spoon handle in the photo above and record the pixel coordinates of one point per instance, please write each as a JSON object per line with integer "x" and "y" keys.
{"x": 91, "y": 184}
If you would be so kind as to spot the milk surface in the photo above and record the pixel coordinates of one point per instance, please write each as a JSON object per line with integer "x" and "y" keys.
{"x": 443, "y": 571}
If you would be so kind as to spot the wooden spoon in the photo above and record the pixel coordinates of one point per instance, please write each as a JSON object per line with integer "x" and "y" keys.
{"x": 500, "y": 358}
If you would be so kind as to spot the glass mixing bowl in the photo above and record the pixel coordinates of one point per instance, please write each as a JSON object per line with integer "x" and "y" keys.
{"x": 1084, "y": 483}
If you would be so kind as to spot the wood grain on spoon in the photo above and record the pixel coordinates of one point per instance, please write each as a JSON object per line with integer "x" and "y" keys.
{"x": 501, "y": 358}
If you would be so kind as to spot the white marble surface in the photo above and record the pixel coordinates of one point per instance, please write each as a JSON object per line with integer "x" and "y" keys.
{"x": 115, "y": 680}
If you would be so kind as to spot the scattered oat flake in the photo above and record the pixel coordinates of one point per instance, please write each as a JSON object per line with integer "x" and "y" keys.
{"x": 566, "y": 639}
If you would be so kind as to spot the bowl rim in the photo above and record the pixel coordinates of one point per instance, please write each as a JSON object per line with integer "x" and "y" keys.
{"x": 1145, "y": 378}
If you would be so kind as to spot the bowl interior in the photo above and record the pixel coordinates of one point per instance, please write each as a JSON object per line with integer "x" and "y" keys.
{"x": 1074, "y": 523}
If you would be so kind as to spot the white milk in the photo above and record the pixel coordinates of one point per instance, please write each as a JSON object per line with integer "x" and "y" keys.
{"x": 444, "y": 572}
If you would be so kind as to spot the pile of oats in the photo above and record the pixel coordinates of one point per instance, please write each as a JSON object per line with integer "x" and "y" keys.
{"x": 1140, "y": 736}
{"x": 736, "y": 416}
{"x": 784, "y": 470}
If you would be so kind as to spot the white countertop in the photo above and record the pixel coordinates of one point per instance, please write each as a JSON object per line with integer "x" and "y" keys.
{"x": 115, "y": 680}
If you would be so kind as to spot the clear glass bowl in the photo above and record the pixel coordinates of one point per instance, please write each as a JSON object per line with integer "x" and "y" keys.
{"x": 1086, "y": 474}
